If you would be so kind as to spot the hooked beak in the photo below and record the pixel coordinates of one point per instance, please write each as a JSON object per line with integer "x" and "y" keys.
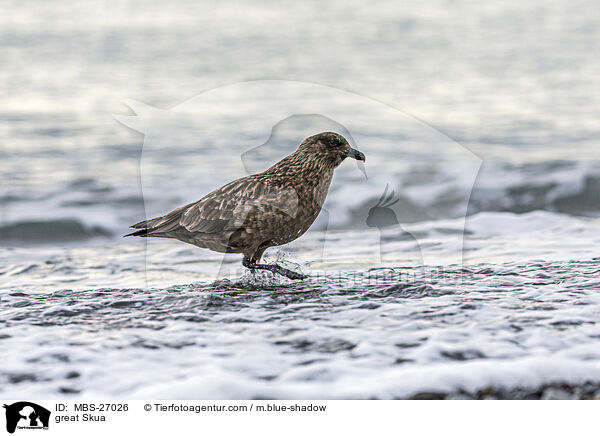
{"x": 355, "y": 154}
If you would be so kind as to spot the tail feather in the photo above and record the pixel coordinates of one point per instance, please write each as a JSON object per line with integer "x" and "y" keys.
{"x": 142, "y": 232}
{"x": 158, "y": 225}
{"x": 146, "y": 223}
{"x": 145, "y": 227}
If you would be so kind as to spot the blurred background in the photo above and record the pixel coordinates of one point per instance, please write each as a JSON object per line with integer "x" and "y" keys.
{"x": 515, "y": 82}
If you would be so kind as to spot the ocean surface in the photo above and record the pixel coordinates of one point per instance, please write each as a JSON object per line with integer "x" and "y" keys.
{"x": 462, "y": 261}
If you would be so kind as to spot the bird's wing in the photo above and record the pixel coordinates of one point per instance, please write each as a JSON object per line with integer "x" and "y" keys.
{"x": 226, "y": 208}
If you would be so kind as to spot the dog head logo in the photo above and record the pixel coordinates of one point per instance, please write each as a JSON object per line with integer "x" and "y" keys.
{"x": 26, "y": 415}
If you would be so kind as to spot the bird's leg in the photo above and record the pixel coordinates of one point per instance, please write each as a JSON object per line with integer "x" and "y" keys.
{"x": 252, "y": 265}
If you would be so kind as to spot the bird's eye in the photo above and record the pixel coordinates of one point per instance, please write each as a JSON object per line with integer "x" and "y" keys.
{"x": 333, "y": 142}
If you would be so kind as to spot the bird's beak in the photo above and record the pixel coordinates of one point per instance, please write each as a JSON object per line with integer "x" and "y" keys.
{"x": 355, "y": 154}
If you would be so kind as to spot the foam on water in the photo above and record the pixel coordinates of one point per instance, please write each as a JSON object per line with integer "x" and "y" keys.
{"x": 113, "y": 328}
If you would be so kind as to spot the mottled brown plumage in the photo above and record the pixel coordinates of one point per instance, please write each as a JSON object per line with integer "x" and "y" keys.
{"x": 262, "y": 210}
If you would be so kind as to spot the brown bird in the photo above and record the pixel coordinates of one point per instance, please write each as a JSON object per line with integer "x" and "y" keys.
{"x": 262, "y": 210}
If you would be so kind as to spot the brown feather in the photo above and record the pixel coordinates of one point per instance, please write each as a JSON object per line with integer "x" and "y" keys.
{"x": 258, "y": 211}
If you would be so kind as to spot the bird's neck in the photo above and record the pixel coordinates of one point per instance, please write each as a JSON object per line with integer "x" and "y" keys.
{"x": 302, "y": 165}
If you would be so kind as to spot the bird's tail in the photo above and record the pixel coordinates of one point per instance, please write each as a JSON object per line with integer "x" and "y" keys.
{"x": 141, "y": 232}
{"x": 144, "y": 227}
{"x": 160, "y": 225}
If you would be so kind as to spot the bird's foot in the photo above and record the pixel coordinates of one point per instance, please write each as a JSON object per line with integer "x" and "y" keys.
{"x": 274, "y": 268}
{"x": 293, "y": 275}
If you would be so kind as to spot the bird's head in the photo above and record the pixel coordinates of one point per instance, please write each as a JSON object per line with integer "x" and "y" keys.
{"x": 330, "y": 149}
